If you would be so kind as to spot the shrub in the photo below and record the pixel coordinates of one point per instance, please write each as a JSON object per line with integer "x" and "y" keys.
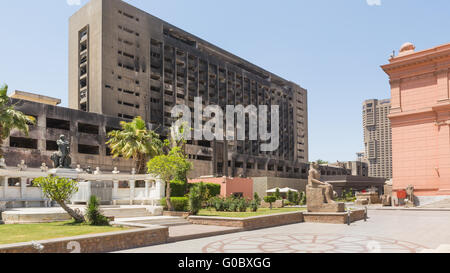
{"x": 212, "y": 189}
{"x": 178, "y": 188}
{"x": 296, "y": 198}
{"x": 195, "y": 200}
{"x": 233, "y": 204}
{"x": 290, "y": 196}
{"x": 270, "y": 200}
{"x": 93, "y": 214}
{"x": 218, "y": 203}
{"x": 254, "y": 206}
{"x": 242, "y": 205}
{"x": 179, "y": 203}
{"x": 278, "y": 194}
{"x": 257, "y": 199}
{"x": 302, "y": 198}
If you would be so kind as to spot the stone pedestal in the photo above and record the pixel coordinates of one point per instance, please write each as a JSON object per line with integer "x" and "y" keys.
{"x": 315, "y": 199}
{"x": 67, "y": 173}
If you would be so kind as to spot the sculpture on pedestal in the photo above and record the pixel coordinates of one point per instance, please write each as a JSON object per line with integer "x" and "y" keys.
{"x": 61, "y": 159}
{"x": 319, "y": 195}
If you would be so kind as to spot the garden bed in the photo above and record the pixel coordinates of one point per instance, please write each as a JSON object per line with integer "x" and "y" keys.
{"x": 34, "y": 232}
{"x": 250, "y": 223}
{"x": 99, "y": 242}
{"x": 248, "y": 213}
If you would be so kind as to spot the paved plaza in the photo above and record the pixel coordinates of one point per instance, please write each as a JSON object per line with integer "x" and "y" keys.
{"x": 385, "y": 231}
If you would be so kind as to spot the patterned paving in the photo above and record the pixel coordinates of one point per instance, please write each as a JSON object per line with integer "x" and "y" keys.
{"x": 311, "y": 243}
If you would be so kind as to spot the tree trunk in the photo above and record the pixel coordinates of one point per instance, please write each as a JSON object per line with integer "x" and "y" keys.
{"x": 1, "y": 141}
{"x": 140, "y": 164}
{"x": 168, "y": 196}
{"x": 78, "y": 217}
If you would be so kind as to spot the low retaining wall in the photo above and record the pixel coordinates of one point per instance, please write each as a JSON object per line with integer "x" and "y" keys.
{"x": 333, "y": 218}
{"x": 13, "y": 217}
{"x": 176, "y": 214}
{"x": 250, "y": 223}
{"x": 96, "y": 243}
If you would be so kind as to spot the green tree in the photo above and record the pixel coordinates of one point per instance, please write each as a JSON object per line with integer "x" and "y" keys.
{"x": 177, "y": 138}
{"x": 167, "y": 167}
{"x": 321, "y": 162}
{"x": 278, "y": 194}
{"x": 60, "y": 190}
{"x": 135, "y": 141}
{"x": 257, "y": 199}
{"x": 195, "y": 200}
{"x": 270, "y": 200}
{"x": 10, "y": 118}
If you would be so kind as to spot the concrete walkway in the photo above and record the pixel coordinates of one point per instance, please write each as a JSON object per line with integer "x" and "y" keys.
{"x": 385, "y": 231}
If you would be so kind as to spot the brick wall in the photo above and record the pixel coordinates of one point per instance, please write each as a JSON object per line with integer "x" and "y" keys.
{"x": 251, "y": 222}
{"x": 96, "y": 243}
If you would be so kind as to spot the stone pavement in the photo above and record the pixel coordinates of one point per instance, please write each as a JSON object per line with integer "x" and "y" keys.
{"x": 385, "y": 231}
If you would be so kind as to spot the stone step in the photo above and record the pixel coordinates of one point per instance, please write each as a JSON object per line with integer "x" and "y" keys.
{"x": 126, "y": 212}
{"x": 158, "y": 221}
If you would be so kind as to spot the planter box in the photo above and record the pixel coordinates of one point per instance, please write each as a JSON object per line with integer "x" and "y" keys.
{"x": 250, "y": 223}
{"x": 96, "y": 243}
{"x": 334, "y": 218}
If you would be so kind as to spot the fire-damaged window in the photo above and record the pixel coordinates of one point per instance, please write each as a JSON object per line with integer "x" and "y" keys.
{"x": 88, "y": 149}
{"x": 26, "y": 143}
{"x": 51, "y": 145}
{"x": 58, "y": 124}
{"x": 88, "y": 128}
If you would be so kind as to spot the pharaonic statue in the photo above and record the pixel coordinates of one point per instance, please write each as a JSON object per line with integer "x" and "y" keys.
{"x": 314, "y": 182}
{"x": 61, "y": 158}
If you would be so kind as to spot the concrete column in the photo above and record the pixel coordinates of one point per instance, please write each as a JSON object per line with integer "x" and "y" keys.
{"x": 147, "y": 188}
{"x": 115, "y": 190}
{"x": 5, "y": 187}
{"x": 23, "y": 187}
{"x": 132, "y": 187}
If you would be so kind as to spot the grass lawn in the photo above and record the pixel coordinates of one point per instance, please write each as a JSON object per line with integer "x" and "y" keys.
{"x": 261, "y": 211}
{"x": 10, "y": 234}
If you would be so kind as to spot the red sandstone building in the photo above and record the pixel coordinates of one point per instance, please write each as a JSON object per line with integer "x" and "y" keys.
{"x": 230, "y": 186}
{"x": 420, "y": 119}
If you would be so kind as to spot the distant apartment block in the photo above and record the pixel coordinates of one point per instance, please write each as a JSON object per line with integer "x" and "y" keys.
{"x": 378, "y": 137}
{"x": 125, "y": 63}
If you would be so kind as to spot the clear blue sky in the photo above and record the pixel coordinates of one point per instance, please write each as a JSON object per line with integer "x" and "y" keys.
{"x": 332, "y": 48}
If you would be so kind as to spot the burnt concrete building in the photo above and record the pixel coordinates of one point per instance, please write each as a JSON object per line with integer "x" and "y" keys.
{"x": 85, "y": 131}
{"x": 124, "y": 62}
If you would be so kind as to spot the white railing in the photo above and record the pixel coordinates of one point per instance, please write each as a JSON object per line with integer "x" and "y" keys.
{"x": 102, "y": 184}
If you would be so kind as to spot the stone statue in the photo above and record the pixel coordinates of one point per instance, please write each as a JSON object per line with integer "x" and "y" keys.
{"x": 22, "y": 166}
{"x": 319, "y": 195}
{"x": 97, "y": 171}
{"x": 2, "y": 163}
{"x": 115, "y": 171}
{"x": 314, "y": 182}
{"x": 79, "y": 169}
{"x": 44, "y": 168}
{"x": 89, "y": 170}
{"x": 410, "y": 196}
{"x": 61, "y": 159}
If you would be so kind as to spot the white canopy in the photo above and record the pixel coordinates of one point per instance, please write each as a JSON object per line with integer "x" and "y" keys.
{"x": 284, "y": 190}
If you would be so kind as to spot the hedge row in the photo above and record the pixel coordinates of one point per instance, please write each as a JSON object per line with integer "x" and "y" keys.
{"x": 178, "y": 203}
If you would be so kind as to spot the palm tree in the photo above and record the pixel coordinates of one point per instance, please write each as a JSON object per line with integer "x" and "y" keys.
{"x": 10, "y": 118}
{"x": 135, "y": 141}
